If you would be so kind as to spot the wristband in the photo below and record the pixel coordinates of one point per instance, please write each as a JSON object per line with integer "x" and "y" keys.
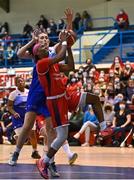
{"x": 64, "y": 43}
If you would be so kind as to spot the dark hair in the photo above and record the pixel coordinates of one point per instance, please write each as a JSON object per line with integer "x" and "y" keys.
{"x": 108, "y": 108}
{"x": 16, "y": 79}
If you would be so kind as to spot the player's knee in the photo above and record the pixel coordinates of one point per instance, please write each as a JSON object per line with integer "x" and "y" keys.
{"x": 63, "y": 137}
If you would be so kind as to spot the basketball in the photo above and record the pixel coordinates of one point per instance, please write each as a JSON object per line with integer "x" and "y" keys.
{"x": 71, "y": 38}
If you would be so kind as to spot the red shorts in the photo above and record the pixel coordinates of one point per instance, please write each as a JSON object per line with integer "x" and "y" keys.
{"x": 73, "y": 101}
{"x": 58, "y": 109}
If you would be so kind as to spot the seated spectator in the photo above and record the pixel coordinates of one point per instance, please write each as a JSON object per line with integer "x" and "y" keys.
{"x": 74, "y": 82}
{"x": 108, "y": 114}
{"x": 6, "y": 124}
{"x": 89, "y": 65}
{"x": 75, "y": 120}
{"x": 111, "y": 76}
{"x": 122, "y": 20}
{"x": 110, "y": 94}
{"x": 43, "y": 21}
{"x": 1, "y": 54}
{"x": 132, "y": 76}
{"x": 93, "y": 74}
{"x": 53, "y": 27}
{"x": 127, "y": 71}
{"x": 119, "y": 86}
{"x": 9, "y": 55}
{"x": 27, "y": 30}
{"x": 96, "y": 90}
{"x": 76, "y": 22}
{"x": 118, "y": 98}
{"x": 1, "y": 134}
{"x": 90, "y": 123}
{"x": 5, "y": 28}
{"x": 121, "y": 122}
{"x": 86, "y": 21}
{"x": 130, "y": 90}
{"x": 60, "y": 26}
{"x": 117, "y": 66}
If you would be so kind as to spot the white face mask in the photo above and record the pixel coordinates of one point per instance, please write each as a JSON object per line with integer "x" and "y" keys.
{"x": 122, "y": 106}
{"x": 111, "y": 75}
{"x": 132, "y": 77}
{"x": 127, "y": 66}
{"x": 97, "y": 92}
{"x": 73, "y": 80}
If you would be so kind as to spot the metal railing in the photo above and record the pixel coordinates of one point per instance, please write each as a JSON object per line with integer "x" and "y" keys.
{"x": 123, "y": 46}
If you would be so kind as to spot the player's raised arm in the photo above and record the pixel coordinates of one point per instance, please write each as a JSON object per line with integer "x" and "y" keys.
{"x": 70, "y": 62}
{"x": 23, "y": 51}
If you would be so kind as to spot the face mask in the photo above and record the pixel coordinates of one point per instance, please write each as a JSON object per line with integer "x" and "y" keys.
{"x": 111, "y": 75}
{"x": 132, "y": 77}
{"x": 81, "y": 70}
{"x": 73, "y": 80}
{"x": 97, "y": 92}
{"x": 84, "y": 74}
{"x": 122, "y": 106}
{"x": 116, "y": 61}
{"x": 117, "y": 86}
{"x": 117, "y": 81}
{"x": 127, "y": 66}
{"x": 119, "y": 99}
{"x": 90, "y": 75}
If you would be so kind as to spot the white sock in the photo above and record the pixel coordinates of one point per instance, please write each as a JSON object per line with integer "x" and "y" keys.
{"x": 46, "y": 159}
{"x": 17, "y": 150}
{"x": 67, "y": 150}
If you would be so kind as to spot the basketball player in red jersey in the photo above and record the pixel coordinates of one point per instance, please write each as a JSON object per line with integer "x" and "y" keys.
{"x": 50, "y": 79}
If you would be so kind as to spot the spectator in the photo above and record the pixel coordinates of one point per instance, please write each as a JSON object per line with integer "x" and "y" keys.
{"x": 43, "y": 21}
{"x": 111, "y": 76}
{"x": 9, "y": 55}
{"x": 6, "y": 124}
{"x": 5, "y": 28}
{"x": 1, "y": 54}
{"x": 76, "y": 22}
{"x": 27, "y": 30}
{"x": 130, "y": 90}
{"x": 132, "y": 76}
{"x": 86, "y": 21}
{"x": 127, "y": 71}
{"x": 118, "y": 86}
{"x": 89, "y": 65}
{"x": 121, "y": 122}
{"x": 110, "y": 94}
{"x": 122, "y": 20}
{"x": 117, "y": 65}
{"x": 7, "y": 38}
{"x": 53, "y": 27}
{"x": 90, "y": 123}
{"x": 108, "y": 114}
{"x": 60, "y": 25}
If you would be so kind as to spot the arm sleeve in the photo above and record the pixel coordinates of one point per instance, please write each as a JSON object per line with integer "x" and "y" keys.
{"x": 43, "y": 65}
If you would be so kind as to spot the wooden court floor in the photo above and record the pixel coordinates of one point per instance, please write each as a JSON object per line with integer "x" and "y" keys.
{"x": 92, "y": 163}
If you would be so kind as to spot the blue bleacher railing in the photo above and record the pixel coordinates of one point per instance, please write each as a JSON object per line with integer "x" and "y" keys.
{"x": 123, "y": 46}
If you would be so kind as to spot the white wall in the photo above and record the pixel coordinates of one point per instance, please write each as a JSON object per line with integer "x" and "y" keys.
{"x": 23, "y": 10}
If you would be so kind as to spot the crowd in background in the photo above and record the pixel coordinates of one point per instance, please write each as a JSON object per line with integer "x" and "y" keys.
{"x": 81, "y": 22}
{"x": 115, "y": 87}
